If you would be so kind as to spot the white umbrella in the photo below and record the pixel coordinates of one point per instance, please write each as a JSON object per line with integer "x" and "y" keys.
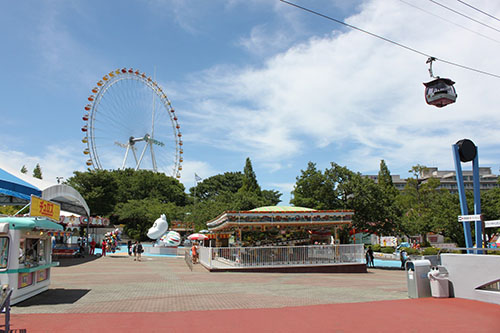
{"x": 197, "y": 237}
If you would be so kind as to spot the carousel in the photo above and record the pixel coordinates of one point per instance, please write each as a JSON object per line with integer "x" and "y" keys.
{"x": 281, "y": 239}
{"x": 278, "y": 225}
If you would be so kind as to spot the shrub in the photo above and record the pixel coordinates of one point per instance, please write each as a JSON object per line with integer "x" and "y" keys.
{"x": 387, "y": 249}
{"x": 376, "y": 247}
{"x": 410, "y": 251}
{"x": 430, "y": 251}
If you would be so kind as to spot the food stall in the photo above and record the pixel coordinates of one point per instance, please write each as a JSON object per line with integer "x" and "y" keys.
{"x": 25, "y": 255}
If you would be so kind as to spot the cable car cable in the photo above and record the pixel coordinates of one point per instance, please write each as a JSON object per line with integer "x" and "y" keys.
{"x": 479, "y": 10}
{"x": 451, "y": 22}
{"x": 466, "y": 16}
{"x": 389, "y": 40}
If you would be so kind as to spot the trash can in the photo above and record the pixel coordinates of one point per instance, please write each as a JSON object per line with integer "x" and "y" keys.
{"x": 417, "y": 279}
{"x": 438, "y": 277}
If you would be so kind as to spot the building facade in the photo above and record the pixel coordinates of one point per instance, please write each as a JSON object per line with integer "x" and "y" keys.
{"x": 448, "y": 179}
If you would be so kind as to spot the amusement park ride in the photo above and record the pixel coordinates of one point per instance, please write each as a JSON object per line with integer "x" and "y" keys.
{"x": 440, "y": 91}
{"x": 130, "y": 123}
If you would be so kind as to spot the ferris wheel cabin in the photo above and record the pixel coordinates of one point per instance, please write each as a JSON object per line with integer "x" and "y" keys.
{"x": 440, "y": 92}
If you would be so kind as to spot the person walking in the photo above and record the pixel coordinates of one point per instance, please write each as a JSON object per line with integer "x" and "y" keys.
{"x": 134, "y": 250}
{"x": 403, "y": 256}
{"x": 103, "y": 247}
{"x": 129, "y": 246}
{"x": 194, "y": 253}
{"x": 92, "y": 247}
{"x": 139, "y": 250}
{"x": 369, "y": 257}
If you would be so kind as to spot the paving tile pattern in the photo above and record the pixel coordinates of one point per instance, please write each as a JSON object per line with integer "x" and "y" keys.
{"x": 116, "y": 283}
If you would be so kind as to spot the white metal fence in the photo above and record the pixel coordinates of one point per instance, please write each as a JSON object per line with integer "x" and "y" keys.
{"x": 278, "y": 256}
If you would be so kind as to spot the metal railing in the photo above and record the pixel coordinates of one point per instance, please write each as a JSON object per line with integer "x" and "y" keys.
{"x": 5, "y": 308}
{"x": 188, "y": 258}
{"x": 279, "y": 256}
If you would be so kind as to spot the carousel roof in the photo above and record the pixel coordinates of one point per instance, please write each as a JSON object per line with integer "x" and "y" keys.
{"x": 280, "y": 216}
{"x": 281, "y": 209}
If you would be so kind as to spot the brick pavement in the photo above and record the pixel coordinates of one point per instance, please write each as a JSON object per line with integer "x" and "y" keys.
{"x": 116, "y": 283}
{"x": 116, "y": 294}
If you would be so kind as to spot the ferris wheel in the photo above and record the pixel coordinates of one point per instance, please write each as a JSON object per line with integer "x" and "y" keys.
{"x": 130, "y": 123}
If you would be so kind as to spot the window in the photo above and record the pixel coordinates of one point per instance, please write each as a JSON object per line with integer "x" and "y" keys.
{"x": 41, "y": 249}
{"x": 492, "y": 286}
{"x": 29, "y": 249}
{"x": 4, "y": 252}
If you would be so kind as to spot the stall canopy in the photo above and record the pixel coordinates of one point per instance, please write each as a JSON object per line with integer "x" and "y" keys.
{"x": 31, "y": 223}
{"x": 16, "y": 191}
{"x": 69, "y": 199}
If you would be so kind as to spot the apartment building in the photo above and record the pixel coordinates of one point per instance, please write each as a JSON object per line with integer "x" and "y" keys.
{"x": 448, "y": 179}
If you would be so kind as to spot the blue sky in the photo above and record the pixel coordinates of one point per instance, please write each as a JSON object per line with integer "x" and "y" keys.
{"x": 254, "y": 78}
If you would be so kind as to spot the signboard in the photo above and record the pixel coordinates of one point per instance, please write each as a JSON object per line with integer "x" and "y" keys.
{"x": 388, "y": 241}
{"x": 470, "y": 218}
{"x": 492, "y": 224}
{"x": 40, "y": 207}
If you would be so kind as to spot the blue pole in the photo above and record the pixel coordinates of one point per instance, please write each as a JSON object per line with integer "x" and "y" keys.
{"x": 461, "y": 194}
{"x": 477, "y": 202}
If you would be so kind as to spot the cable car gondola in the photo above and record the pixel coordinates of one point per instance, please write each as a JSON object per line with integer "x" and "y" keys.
{"x": 440, "y": 91}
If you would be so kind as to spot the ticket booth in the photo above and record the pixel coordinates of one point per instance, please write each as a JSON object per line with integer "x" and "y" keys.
{"x": 26, "y": 255}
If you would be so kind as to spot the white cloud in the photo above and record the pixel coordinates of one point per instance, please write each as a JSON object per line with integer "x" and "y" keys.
{"x": 264, "y": 40}
{"x": 201, "y": 168}
{"x": 55, "y": 161}
{"x": 353, "y": 91}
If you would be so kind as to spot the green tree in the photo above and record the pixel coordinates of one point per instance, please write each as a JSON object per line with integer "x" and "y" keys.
{"x": 9, "y": 210}
{"x": 367, "y": 200}
{"x": 99, "y": 188}
{"x": 210, "y": 188}
{"x": 445, "y": 208}
{"x": 229, "y": 191}
{"x": 37, "y": 171}
{"x": 389, "y": 217}
{"x": 103, "y": 189}
{"x": 312, "y": 191}
{"x": 271, "y": 197}
{"x": 416, "y": 203}
{"x": 385, "y": 181}
{"x": 24, "y": 170}
{"x": 141, "y": 184}
{"x": 250, "y": 184}
{"x": 139, "y": 215}
{"x": 490, "y": 208}
{"x": 340, "y": 188}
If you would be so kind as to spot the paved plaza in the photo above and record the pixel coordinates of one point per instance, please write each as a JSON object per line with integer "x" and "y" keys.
{"x": 162, "y": 284}
{"x": 160, "y": 294}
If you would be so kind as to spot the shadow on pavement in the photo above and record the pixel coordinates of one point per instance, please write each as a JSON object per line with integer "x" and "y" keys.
{"x": 54, "y": 297}
{"x": 65, "y": 262}
{"x": 387, "y": 268}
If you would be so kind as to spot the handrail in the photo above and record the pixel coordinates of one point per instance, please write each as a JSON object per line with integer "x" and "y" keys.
{"x": 470, "y": 250}
{"x": 279, "y": 256}
{"x": 188, "y": 259}
{"x": 5, "y": 308}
